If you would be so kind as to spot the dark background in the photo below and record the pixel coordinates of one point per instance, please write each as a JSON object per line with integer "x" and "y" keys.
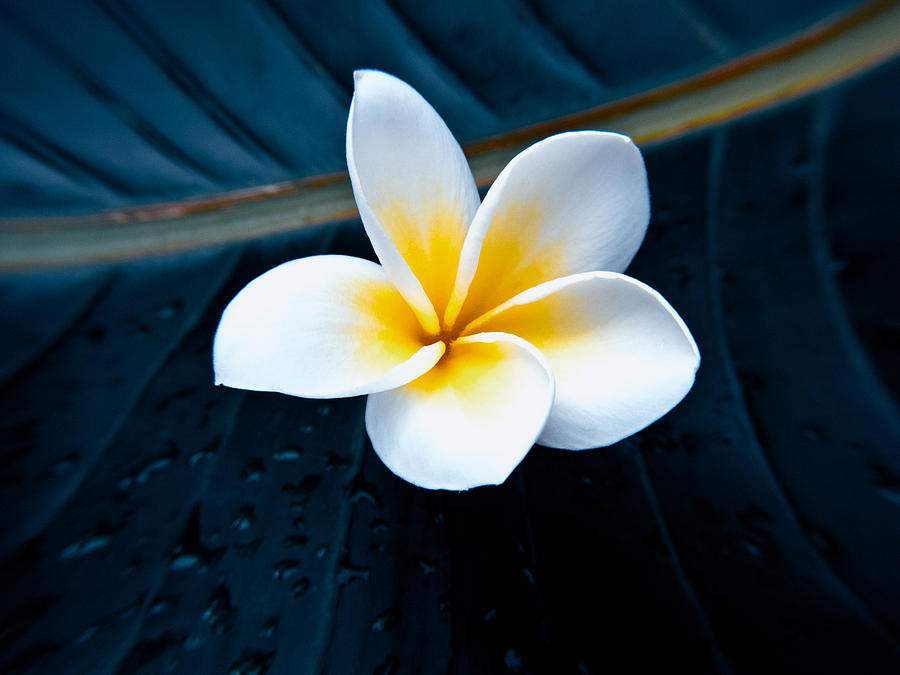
{"x": 154, "y": 523}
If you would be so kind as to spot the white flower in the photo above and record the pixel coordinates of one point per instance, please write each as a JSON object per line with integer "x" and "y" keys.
{"x": 487, "y": 327}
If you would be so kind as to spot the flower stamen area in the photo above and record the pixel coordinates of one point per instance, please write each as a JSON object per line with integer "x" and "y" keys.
{"x": 448, "y": 336}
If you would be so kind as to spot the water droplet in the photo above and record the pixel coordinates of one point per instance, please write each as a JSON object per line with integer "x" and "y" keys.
{"x": 84, "y": 546}
{"x": 132, "y": 609}
{"x": 361, "y": 490}
{"x": 885, "y": 481}
{"x": 285, "y": 569}
{"x": 169, "y": 310}
{"x": 162, "y": 605}
{"x": 445, "y": 603}
{"x": 334, "y": 461}
{"x": 243, "y": 518}
{"x": 195, "y": 641}
{"x": 325, "y": 410}
{"x": 253, "y": 470}
{"x": 347, "y": 572}
{"x": 378, "y": 526}
{"x": 300, "y": 587}
{"x": 219, "y": 613}
{"x": 750, "y": 547}
{"x": 299, "y": 522}
{"x": 303, "y": 488}
{"x": 491, "y": 615}
{"x": 295, "y": 541}
{"x": 64, "y": 463}
{"x": 131, "y": 566}
{"x": 761, "y": 544}
{"x": 307, "y": 428}
{"x": 88, "y": 633}
{"x": 188, "y": 551}
{"x": 183, "y": 561}
{"x": 427, "y": 565}
{"x": 269, "y": 627}
{"x": 824, "y": 542}
{"x": 387, "y": 620}
{"x": 528, "y": 576}
{"x": 513, "y": 661}
{"x": 252, "y": 663}
{"x": 321, "y": 551}
{"x": 756, "y": 520}
{"x": 206, "y": 452}
{"x": 289, "y": 454}
{"x": 143, "y": 474}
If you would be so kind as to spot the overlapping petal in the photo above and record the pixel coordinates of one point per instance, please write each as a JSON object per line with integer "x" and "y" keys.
{"x": 321, "y": 327}
{"x": 470, "y": 420}
{"x": 414, "y": 189}
{"x": 621, "y": 355}
{"x": 574, "y": 202}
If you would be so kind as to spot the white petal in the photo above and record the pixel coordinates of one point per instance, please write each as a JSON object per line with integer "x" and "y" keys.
{"x": 574, "y": 202}
{"x": 621, "y": 355}
{"x": 321, "y": 327}
{"x": 415, "y": 192}
{"x": 470, "y": 420}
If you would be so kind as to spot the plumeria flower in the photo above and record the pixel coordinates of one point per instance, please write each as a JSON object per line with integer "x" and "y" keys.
{"x": 488, "y": 326}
